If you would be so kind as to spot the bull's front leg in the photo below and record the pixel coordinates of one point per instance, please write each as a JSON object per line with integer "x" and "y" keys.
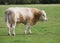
{"x": 28, "y": 29}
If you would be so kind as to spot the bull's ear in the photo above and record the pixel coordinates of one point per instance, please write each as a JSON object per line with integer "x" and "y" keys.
{"x": 40, "y": 13}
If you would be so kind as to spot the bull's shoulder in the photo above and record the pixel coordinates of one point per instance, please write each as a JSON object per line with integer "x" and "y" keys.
{"x": 35, "y": 10}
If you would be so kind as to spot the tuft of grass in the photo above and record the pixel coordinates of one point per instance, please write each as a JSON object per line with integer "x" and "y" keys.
{"x": 43, "y": 32}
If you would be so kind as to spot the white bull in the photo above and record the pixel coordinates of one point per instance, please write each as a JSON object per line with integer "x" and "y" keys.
{"x": 27, "y": 16}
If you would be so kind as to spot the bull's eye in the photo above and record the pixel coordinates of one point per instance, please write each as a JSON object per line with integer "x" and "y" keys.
{"x": 42, "y": 15}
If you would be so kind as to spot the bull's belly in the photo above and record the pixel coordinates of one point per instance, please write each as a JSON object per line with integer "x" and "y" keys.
{"x": 21, "y": 21}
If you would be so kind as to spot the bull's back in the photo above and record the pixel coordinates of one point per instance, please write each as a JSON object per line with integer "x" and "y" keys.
{"x": 21, "y": 14}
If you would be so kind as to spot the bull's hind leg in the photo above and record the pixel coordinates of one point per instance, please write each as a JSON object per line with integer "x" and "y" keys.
{"x": 9, "y": 28}
{"x": 13, "y": 29}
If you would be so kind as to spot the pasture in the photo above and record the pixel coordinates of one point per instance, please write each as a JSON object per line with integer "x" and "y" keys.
{"x": 43, "y": 32}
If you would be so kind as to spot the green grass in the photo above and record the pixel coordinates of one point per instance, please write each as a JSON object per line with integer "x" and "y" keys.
{"x": 43, "y": 32}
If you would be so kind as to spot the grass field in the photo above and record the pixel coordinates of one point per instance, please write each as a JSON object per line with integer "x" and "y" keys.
{"x": 43, "y": 32}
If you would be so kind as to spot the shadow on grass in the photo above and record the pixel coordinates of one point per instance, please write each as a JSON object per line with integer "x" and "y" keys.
{"x": 25, "y": 34}
{"x": 4, "y": 35}
{"x": 21, "y": 34}
{"x": 33, "y": 34}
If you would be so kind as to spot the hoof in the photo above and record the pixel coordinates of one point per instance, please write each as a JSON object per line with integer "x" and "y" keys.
{"x": 13, "y": 34}
{"x": 9, "y": 34}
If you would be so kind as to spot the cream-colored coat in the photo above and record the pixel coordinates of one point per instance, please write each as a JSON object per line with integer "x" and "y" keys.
{"x": 27, "y": 16}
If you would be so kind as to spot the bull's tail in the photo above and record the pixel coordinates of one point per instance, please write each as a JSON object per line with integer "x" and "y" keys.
{"x": 8, "y": 17}
{"x": 7, "y": 14}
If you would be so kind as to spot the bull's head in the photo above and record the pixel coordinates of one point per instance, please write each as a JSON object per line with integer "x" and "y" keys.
{"x": 43, "y": 16}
